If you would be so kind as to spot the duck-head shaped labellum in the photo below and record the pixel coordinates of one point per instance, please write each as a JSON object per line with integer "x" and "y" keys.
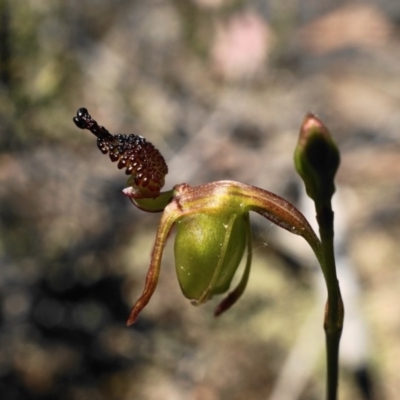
{"x": 141, "y": 160}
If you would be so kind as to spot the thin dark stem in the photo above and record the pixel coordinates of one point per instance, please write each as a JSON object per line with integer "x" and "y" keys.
{"x": 332, "y": 356}
{"x": 334, "y": 312}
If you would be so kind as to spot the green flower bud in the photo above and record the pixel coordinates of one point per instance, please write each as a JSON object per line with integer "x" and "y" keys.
{"x": 317, "y": 159}
{"x": 208, "y": 251}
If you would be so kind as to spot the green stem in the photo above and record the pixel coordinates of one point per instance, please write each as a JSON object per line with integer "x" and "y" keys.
{"x": 334, "y": 312}
{"x": 332, "y": 357}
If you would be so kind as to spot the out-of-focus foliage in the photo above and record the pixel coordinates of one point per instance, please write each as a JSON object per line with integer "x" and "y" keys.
{"x": 220, "y": 87}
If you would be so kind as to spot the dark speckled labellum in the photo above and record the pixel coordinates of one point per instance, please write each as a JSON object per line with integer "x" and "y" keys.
{"x": 141, "y": 160}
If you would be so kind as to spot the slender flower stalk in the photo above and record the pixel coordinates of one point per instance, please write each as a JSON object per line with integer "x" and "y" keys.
{"x": 317, "y": 160}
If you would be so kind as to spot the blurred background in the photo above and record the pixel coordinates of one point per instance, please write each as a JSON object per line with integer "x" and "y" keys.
{"x": 220, "y": 87}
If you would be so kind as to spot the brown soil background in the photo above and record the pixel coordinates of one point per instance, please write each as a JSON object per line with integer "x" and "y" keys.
{"x": 220, "y": 88}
